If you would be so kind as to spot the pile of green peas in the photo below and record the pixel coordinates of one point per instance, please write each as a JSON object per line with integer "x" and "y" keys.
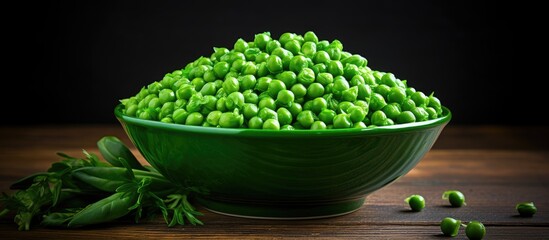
{"x": 295, "y": 82}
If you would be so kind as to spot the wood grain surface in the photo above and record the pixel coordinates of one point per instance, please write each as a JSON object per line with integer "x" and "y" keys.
{"x": 494, "y": 166}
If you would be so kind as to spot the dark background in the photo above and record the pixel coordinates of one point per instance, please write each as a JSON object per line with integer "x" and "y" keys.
{"x": 75, "y": 59}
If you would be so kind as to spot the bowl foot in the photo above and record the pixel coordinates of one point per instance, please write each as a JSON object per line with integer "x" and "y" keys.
{"x": 282, "y": 211}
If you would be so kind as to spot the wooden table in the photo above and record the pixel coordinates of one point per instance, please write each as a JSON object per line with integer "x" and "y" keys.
{"x": 494, "y": 166}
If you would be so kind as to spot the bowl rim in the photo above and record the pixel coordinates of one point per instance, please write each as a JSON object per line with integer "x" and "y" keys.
{"x": 379, "y": 130}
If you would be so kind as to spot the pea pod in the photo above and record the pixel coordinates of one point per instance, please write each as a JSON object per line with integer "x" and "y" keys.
{"x": 113, "y": 150}
{"x": 104, "y": 210}
{"x": 108, "y": 179}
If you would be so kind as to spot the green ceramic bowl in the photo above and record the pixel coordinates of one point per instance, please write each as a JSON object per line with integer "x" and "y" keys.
{"x": 282, "y": 174}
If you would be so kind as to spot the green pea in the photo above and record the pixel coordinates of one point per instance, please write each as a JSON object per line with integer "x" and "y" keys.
{"x": 149, "y": 114}
{"x": 167, "y": 120}
{"x": 267, "y": 102}
{"x": 369, "y": 79}
{"x": 456, "y": 198}
{"x": 262, "y": 39}
{"x": 263, "y": 83}
{"x": 267, "y": 113}
{"x": 357, "y": 60}
{"x": 334, "y": 53}
{"x": 359, "y": 125}
{"x": 322, "y": 57}
{"x": 379, "y": 118}
{"x": 382, "y": 90}
{"x": 475, "y": 230}
{"x": 325, "y": 78}
{"x": 526, "y": 209}
{"x": 356, "y": 113}
{"x": 293, "y": 46}
{"x": 180, "y": 103}
{"x": 357, "y": 80}
{"x": 327, "y": 116}
{"x": 318, "y": 104}
{"x": 234, "y": 100}
{"x": 231, "y": 120}
{"x": 198, "y": 83}
{"x": 131, "y": 110}
{"x": 167, "y": 109}
{"x": 434, "y": 102}
{"x": 250, "y": 110}
{"x": 432, "y": 112}
{"x": 237, "y": 66}
{"x": 391, "y": 110}
{"x": 343, "y": 106}
{"x": 420, "y": 113}
{"x": 408, "y": 105}
{"x": 450, "y": 227}
{"x": 340, "y": 84}
{"x": 213, "y": 118}
{"x": 275, "y": 86}
{"x": 207, "y": 89}
{"x": 285, "y": 37}
{"x": 420, "y": 99}
{"x": 410, "y": 91}
{"x": 306, "y": 76}
{"x": 272, "y": 45}
{"x": 335, "y": 68}
{"x": 299, "y": 90}
{"x": 295, "y": 109}
{"x": 240, "y": 45}
{"x": 342, "y": 120}
{"x": 318, "y": 125}
{"x": 231, "y": 85}
{"x": 310, "y": 37}
{"x": 315, "y": 90}
{"x": 249, "y": 68}
{"x": 285, "y": 98}
{"x": 219, "y": 52}
{"x": 396, "y": 95}
{"x": 255, "y": 123}
{"x": 306, "y": 118}
{"x": 185, "y": 92}
{"x": 350, "y": 94}
{"x": 209, "y": 76}
{"x": 166, "y": 95}
{"x": 287, "y": 127}
{"x": 364, "y": 91}
{"x": 319, "y": 68}
{"x": 195, "y": 119}
{"x": 271, "y": 124}
{"x": 288, "y": 77}
{"x": 322, "y": 44}
{"x": 363, "y": 104}
{"x": 377, "y": 102}
{"x": 250, "y": 97}
{"x": 154, "y": 103}
{"x": 274, "y": 64}
{"x": 261, "y": 57}
{"x": 221, "y": 104}
{"x": 406, "y": 117}
{"x": 284, "y": 116}
{"x": 416, "y": 202}
{"x": 378, "y": 75}
{"x": 262, "y": 70}
{"x": 350, "y": 70}
{"x": 308, "y": 105}
{"x": 247, "y": 82}
{"x": 308, "y": 49}
{"x": 298, "y": 63}
{"x": 388, "y": 79}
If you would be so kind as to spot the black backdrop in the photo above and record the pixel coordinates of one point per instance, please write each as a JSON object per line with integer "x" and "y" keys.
{"x": 75, "y": 59}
